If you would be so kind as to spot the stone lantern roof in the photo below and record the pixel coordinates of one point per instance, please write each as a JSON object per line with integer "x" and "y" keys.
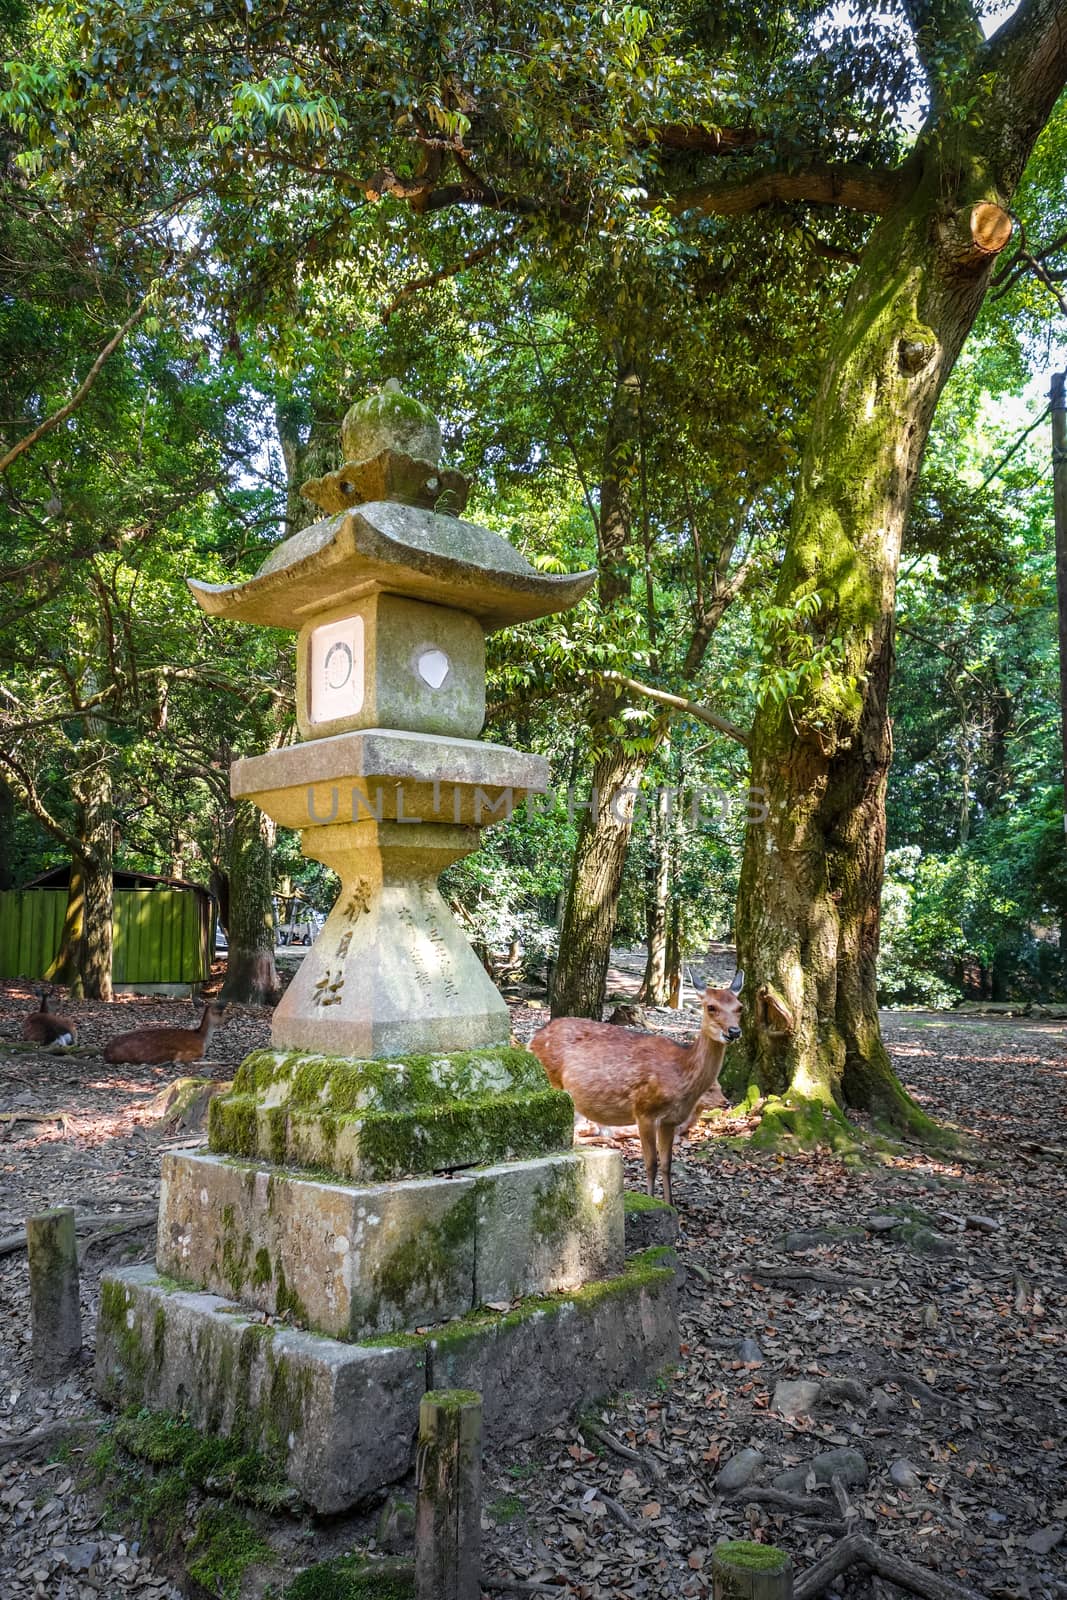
{"x": 393, "y": 529}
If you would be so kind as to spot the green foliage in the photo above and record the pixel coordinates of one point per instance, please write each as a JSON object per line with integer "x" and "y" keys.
{"x": 353, "y": 1578}
{"x": 223, "y": 1547}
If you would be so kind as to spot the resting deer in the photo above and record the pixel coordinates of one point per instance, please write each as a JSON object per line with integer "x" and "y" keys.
{"x": 617, "y": 1076}
{"x": 150, "y": 1046}
{"x": 44, "y": 1027}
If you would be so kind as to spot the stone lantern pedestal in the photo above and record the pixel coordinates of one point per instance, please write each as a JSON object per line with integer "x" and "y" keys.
{"x": 390, "y": 1202}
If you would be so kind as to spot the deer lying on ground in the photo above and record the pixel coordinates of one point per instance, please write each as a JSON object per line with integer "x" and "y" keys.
{"x": 151, "y": 1046}
{"x": 44, "y": 1027}
{"x": 617, "y": 1076}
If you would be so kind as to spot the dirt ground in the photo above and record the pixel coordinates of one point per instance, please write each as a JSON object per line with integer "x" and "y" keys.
{"x": 925, "y": 1296}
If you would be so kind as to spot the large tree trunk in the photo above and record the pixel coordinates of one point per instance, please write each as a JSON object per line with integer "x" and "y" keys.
{"x": 808, "y": 911}
{"x": 604, "y": 835}
{"x": 593, "y": 896}
{"x": 654, "y": 985}
{"x": 251, "y": 975}
{"x": 85, "y": 955}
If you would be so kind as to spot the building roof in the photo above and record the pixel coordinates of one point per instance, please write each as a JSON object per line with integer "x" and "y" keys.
{"x": 122, "y": 878}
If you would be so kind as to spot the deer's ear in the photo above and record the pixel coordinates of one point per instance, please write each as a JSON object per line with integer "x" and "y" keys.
{"x": 738, "y": 982}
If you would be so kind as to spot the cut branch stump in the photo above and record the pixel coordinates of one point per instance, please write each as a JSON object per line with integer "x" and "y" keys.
{"x": 448, "y": 1517}
{"x": 742, "y": 1570}
{"x": 55, "y": 1303}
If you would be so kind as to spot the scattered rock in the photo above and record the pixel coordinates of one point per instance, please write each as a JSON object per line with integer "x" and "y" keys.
{"x": 927, "y": 1241}
{"x": 982, "y": 1224}
{"x": 883, "y": 1402}
{"x": 848, "y": 1465}
{"x": 845, "y": 1389}
{"x": 79, "y": 1557}
{"x": 795, "y": 1397}
{"x": 1044, "y": 1540}
{"x": 903, "y": 1474}
{"x": 738, "y": 1470}
{"x": 749, "y": 1352}
{"x": 810, "y": 1238}
{"x": 882, "y": 1224}
{"x": 396, "y": 1525}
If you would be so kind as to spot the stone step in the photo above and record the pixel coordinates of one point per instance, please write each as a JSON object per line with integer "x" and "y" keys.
{"x": 340, "y": 1418}
{"x": 353, "y": 1262}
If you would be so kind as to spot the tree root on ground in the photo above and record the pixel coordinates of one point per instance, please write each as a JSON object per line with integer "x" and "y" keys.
{"x": 855, "y": 1549}
{"x": 52, "y": 1433}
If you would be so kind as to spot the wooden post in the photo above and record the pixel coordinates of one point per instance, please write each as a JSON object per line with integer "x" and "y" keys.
{"x": 742, "y": 1570}
{"x": 55, "y": 1305}
{"x": 448, "y": 1517}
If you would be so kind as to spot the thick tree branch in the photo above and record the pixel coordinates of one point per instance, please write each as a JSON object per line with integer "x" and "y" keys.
{"x": 80, "y": 392}
{"x": 846, "y": 184}
{"x": 1029, "y": 56}
{"x": 431, "y": 279}
{"x": 679, "y": 703}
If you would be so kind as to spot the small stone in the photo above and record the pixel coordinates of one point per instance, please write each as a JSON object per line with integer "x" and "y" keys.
{"x": 396, "y": 1525}
{"x": 795, "y": 1397}
{"x": 928, "y": 1241}
{"x": 995, "y": 1517}
{"x": 883, "y": 1402}
{"x": 850, "y": 1389}
{"x": 79, "y": 1557}
{"x": 738, "y": 1470}
{"x": 1044, "y": 1540}
{"x": 848, "y": 1465}
{"x": 882, "y": 1224}
{"x": 982, "y": 1224}
{"x": 903, "y": 1474}
{"x": 749, "y": 1352}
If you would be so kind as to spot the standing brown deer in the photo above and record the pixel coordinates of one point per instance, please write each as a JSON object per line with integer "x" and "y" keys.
{"x": 150, "y": 1046}
{"x": 45, "y": 1027}
{"x": 617, "y": 1076}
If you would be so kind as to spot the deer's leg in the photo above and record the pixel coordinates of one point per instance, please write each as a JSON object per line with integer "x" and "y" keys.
{"x": 665, "y": 1151}
{"x": 647, "y": 1130}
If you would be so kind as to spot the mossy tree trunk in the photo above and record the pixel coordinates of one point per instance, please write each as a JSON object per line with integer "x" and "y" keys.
{"x": 808, "y": 911}
{"x": 251, "y": 974}
{"x": 604, "y": 833}
{"x": 85, "y": 957}
{"x": 654, "y": 984}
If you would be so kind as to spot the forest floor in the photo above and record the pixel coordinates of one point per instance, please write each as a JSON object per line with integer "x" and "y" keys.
{"x": 924, "y": 1295}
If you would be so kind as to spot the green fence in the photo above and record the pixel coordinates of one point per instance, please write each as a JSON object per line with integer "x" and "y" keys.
{"x": 161, "y": 935}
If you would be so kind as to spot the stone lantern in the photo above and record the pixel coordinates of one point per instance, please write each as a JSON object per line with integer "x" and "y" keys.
{"x": 392, "y": 1166}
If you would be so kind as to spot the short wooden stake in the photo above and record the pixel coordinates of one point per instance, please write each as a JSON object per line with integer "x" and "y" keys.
{"x": 743, "y": 1570}
{"x": 55, "y": 1304}
{"x": 448, "y": 1516}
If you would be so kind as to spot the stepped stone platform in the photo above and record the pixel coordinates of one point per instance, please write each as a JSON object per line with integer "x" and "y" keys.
{"x": 304, "y": 1308}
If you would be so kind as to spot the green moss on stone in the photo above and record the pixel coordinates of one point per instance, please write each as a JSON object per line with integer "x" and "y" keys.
{"x": 558, "y": 1204}
{"x": 353, "y": 1578}
{"x": 287, "y": 1302}
{"x": 377, "y": 1120}
{"x": 261, "y": 1272}
{"x": 647, "y": 1269}
{"x": 120, "y": 1332}
{"x": 428, "y": 1256}
{"x": 222, "y": 1548}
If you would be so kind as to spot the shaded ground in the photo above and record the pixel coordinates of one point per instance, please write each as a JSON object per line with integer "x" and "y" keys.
{"x": 924, "y": 1295}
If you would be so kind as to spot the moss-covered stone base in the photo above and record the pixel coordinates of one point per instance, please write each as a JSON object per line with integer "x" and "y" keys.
{"x": 353, "y": 1261}
{"x": 339, "y": 1418}
{"x": 370, "y": 1121}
